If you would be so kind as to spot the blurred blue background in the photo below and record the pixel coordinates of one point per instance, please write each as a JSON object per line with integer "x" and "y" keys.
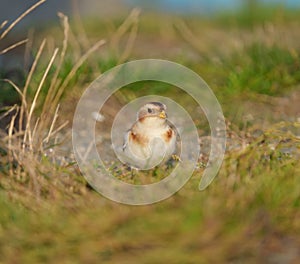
{"x": 205, "y": 7}
{"x": 104, "y": 8}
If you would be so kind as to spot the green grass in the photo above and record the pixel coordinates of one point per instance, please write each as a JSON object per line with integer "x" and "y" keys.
{"x": 226, "y": 222}
{"x": 264, "y": 70}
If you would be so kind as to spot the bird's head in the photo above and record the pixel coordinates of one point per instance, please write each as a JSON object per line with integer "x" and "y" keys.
{"x": 152, "y": 112}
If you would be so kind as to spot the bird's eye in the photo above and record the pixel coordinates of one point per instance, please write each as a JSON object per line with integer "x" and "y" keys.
{"x": 149, "y": 110}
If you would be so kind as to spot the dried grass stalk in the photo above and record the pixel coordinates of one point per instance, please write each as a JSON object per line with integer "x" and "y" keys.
{"x": 14, "y": 23}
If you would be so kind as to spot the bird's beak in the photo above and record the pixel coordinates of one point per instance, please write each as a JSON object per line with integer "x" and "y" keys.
{"x": 163, "y": 114}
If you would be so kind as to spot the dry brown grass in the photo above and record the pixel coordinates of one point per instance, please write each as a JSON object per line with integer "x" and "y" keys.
{"x": 30, "y": 135}
{"x": 33, "y": 164}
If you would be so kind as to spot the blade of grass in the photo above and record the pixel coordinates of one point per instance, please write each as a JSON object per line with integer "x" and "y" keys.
{"x": 10, "y": 133}
{"x": 188, "y": 35}
{"x": 13, "y": 46}
{"x": 28, "y": 48}
{"x": 79, "y": 25}
{"x": 59, "y": 129}
{"x": 16, "y": 88}
{"x": 76, "y": 67}
{"x": 53, "y": 86}
{"x": 46, "y": 140}
{"x": 50, "y": 106}
{"x": 13, "y": 24}
{"x": 35, "y": 127}
{"x": 27, "y": 130}
{"x": 3, "y": 24}
{"x": 132, "y": 37}
{"x": 28, "y": 80}
{"x": 125, "y": 26}
{"x": 7, "y": 111}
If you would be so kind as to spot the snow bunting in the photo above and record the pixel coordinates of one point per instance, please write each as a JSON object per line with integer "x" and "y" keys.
{"x": 151, "y": 139}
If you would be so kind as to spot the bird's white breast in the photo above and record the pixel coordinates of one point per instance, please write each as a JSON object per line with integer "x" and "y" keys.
{"x": 158, "y": 147}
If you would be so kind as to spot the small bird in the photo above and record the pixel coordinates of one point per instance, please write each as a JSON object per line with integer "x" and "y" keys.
{"x": 151, "y": 139}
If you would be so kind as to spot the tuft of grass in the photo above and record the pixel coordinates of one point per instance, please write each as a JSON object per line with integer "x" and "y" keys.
{"x": 264, "y": 70}
{"x": 30, "y": 160}
{"x": 253, "y": 202}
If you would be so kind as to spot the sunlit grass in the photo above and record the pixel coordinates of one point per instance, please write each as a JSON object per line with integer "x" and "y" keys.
{"x": 264, "y": 70}
{"x": 254, "y": 197}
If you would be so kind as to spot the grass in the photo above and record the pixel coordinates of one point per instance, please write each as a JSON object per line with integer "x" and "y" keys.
{"x": 254, "y": 14}
{"x": 264, "y": 70}
{"x": 249, "y": 214}
{"x": 211, "y": 228}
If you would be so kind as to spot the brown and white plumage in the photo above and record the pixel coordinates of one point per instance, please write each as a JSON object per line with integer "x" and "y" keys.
{"x": 151, "y": 139}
